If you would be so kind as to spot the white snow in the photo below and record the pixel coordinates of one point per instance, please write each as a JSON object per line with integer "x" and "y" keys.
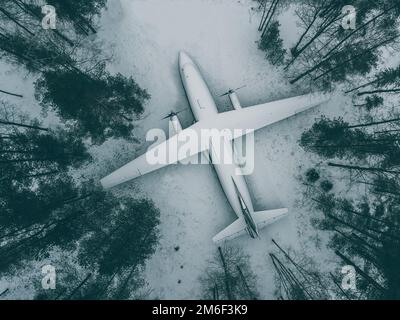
{"x": 146, "y": 37}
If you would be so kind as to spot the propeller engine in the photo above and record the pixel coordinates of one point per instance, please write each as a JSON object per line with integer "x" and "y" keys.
{"x": 174, "y": 124}
{"x": 172, "y": 114}
{"x": 234, "y": 97}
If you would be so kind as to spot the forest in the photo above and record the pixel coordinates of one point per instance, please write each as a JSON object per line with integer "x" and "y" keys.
{"x": 103, "y": 239}
{"x": 44, "y": 206}
{"x": 354, "y": 184}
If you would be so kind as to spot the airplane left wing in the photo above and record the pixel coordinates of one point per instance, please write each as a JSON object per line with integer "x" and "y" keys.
{"x": 141, "y": 165}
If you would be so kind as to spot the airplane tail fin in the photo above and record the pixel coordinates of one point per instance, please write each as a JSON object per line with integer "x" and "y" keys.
{"x": 239, "y": 227}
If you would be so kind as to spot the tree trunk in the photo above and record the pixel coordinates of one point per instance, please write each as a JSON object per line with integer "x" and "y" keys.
{"x": 4, "y": 292}
{"x": 355, "y": 57}
{"x": 362, "y": 86}
{"x": 270, "y": 18}
{"x": 361, "y": 250}
{"x": 22, "y": 125}
{"x": 12, "y": 94}
{"x": 361, "y": 272}
{"x": 227, "y": 284}
{"x": 394, "y": 90}
{"x": 301, "y": 270}
{"x": 22, "y": 57}
{"x": 315, "y": 17}
{"x": 126, "y": 281}
{"x": 349, "y": 225}
{"x": 37, "y": 175}
{"x": 29, "y": 160}
{"x": 88, "y": 24}
{"x": 79, "y": 286}
{"x": 339, "y": 286}
{"x": 9, "y": 16}
{"x": 28, "y": 10}
{"x": 355, "y": 31}
{"x": 330, "y": 57}
{"x": 291, "y": 278}
{"x": 249, "y": 293}
{"x": 215, "y": 293}
{"x": 372, "y": 123}
{"x": 370, "y": 169}
{"x": 265, "y": 18}
{"x": 316, "y": 36}
{"x": 386, "y": 131}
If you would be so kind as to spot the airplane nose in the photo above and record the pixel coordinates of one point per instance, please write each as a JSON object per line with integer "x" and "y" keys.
{"x": 184, "y": 59}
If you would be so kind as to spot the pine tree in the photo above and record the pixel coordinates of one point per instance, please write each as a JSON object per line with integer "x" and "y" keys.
{"x": 229, "y": 276}
{"x": 79, "y": 12}
{"x": 365, "y": 229}
{"x": 272, "y": 44}
{"x": 103, "y": 105}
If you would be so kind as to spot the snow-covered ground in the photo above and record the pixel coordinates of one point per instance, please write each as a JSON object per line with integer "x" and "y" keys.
{"x": 145, "y": 37}
{"x": 220, "y": 35}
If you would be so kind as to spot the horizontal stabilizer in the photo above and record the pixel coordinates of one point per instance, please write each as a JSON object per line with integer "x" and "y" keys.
{"x": 239, "y": 227}
{"x": 232, "y": 231}
{"x": 264, "y": 218}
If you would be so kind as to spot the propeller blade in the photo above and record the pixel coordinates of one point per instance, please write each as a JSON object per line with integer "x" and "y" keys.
{"x": 227, "y": 93}
{"x": 232, "y": 91}
{"x": 242, "y": 87}
{"x": 173, "y": 113}
{"x": 166, "y": 117}
{"x": 180, "y": 111}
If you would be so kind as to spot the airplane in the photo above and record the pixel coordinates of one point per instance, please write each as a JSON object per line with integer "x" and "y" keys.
{"x": 207, "y": 116}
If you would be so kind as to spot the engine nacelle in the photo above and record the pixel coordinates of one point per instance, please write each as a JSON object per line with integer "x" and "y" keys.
{"x": 235, "y": 100}
{"x": 174, "y": 125}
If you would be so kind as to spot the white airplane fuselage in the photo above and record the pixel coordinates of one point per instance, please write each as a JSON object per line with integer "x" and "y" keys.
{"x": 219, "y": 134}
{"x": 203, "y": 107}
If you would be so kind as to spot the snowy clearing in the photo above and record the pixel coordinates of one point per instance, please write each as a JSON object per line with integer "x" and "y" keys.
{"x": 146, "y": 37}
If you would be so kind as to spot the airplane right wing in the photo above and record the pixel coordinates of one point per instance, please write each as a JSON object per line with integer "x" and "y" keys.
{"x": 259, "y": 116}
